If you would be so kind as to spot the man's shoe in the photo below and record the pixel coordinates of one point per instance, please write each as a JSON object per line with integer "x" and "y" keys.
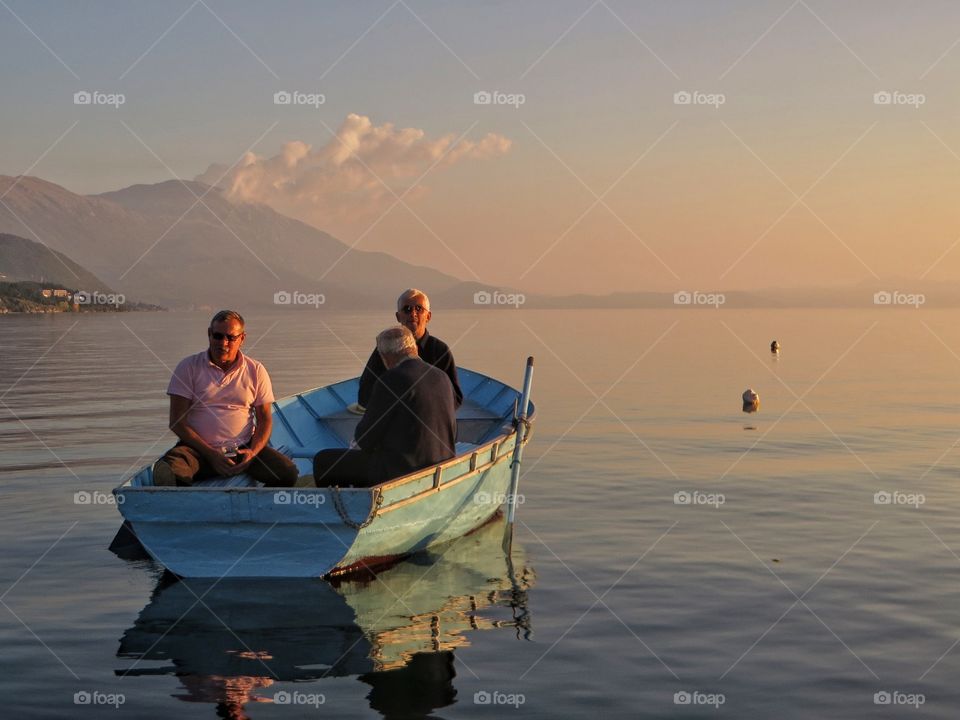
{"x": 163, "y": 475}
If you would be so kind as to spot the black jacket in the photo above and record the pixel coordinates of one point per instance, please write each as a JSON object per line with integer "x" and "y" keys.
{"x": 431, "y": 350}
{"x": 411, "y": 421}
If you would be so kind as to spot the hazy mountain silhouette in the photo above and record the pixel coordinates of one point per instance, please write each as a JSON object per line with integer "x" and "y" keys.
{"x": 183, "y": 244}
{"x": 25, "y": 260}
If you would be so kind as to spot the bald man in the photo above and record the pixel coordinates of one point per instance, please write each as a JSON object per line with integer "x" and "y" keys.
{"x": 410, "y": 424}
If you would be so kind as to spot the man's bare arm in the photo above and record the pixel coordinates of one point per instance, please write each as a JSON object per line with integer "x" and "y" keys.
{"x": 261, "y": 435}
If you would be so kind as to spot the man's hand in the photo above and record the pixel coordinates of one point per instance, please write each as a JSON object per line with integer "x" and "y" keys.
{"x": 244, "y": 457}
{"x": 180, "y": 408}
{"x": 221, "y": 464}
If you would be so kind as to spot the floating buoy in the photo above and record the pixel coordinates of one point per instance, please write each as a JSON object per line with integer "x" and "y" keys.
{"x": 751, "y": 401}
{"x": 774, "y": 347}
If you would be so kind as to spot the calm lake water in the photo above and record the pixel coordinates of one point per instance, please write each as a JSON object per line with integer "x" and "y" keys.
{"x": 784, "y": 588}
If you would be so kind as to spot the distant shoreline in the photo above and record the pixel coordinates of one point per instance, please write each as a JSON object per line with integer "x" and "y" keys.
{"x": 34, "y": 298}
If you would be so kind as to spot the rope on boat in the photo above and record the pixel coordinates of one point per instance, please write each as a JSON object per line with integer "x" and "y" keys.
{"x": 527, "y": 426}
{"x": 527, "y": 430}
{"x": 342, "y": 511}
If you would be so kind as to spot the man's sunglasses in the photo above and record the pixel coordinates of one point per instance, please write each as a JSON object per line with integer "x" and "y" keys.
{"x": 221, "y": 336}
{"x": 408, "y": 309}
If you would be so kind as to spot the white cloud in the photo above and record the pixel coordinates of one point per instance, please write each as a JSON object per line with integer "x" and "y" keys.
{"x": 342, "y": 179}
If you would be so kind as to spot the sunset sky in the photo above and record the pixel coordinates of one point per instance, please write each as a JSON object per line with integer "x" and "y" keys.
{"x": 599, "y": 181}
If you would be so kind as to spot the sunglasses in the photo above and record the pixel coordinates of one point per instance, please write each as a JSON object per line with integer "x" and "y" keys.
{"x": 221, "y": 336}
{"x": 408, "y": 309}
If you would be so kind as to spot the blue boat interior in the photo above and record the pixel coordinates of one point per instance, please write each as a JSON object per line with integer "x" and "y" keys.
{"x": 305, "y": 423}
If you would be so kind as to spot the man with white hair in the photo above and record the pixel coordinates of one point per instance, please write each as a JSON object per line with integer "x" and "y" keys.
{"x": 410, "y": 422}
{"x": 413, "y": 312}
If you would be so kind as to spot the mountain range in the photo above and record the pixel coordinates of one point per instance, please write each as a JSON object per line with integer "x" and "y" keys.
{"x": 182, "y": 244}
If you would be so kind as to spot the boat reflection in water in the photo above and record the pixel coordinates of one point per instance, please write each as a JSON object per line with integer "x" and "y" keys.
{"x": 245, "y": 639}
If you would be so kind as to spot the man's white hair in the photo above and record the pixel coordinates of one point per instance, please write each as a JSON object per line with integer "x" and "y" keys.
{"x": 397, "y": 341}
{"x": 411, "y": 293}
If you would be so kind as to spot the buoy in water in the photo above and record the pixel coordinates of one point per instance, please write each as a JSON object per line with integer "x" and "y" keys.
{"x": 751, "y": 401}
{"x": 774, "y": 347}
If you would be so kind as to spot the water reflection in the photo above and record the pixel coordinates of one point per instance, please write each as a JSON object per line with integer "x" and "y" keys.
{"x": 397, "y": 632}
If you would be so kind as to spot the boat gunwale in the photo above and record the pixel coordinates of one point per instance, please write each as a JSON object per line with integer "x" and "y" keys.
{"x": 381, "y": 487}
{"x": 492, "y": 445}
{"x": 474, "y": 471}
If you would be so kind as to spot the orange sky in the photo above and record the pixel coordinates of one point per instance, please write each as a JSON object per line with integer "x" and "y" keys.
{"x": 598, "y": 181}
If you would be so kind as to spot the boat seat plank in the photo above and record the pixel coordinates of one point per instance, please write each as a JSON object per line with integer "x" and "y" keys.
{"x": 299, "y": 451}
{"x": 235, "y": 481}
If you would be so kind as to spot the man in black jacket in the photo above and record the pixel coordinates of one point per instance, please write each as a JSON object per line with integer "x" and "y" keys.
{"x": 413, "y": 312}
{"x": 410, "y": 422}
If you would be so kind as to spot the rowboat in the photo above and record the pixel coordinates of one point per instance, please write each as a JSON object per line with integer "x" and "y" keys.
{"x": 233, "y": 527}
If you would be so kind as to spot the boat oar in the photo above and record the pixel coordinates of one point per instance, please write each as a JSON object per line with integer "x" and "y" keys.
{"x": 522, "y": 429}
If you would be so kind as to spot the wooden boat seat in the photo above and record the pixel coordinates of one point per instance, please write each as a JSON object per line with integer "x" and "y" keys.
{"x": 299, "y": 451}
{"x": 237, "y": 481}
{"x": 145, "y": 479}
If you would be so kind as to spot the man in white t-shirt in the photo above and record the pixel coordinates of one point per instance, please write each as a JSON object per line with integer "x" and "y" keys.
{"x": 220, "y": 410}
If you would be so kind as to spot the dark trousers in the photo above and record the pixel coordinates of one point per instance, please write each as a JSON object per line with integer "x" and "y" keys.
{"x": 270, "y": 467}
{"x": 345, "y": 468}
